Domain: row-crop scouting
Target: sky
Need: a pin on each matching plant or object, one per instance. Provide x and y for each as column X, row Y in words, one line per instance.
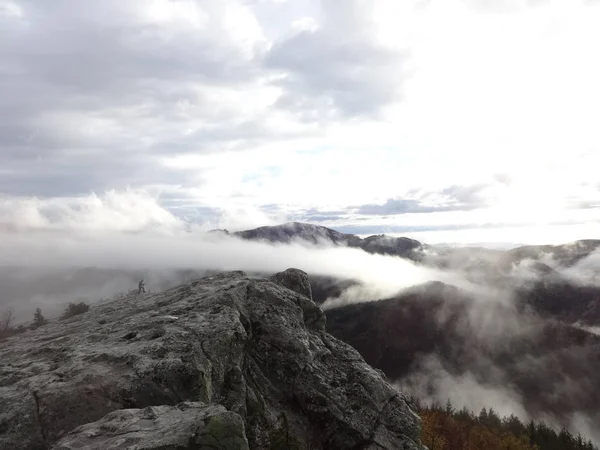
column 455, row 121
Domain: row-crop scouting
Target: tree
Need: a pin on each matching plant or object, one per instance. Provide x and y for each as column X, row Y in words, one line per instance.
column 431, row 431
column 465, row 415
column 493, row 419
column 448, row 409
column 483, row 416
column 38, row 318
column 531, row 432
column 6, row 322
column 513, row 425
column 462, row 430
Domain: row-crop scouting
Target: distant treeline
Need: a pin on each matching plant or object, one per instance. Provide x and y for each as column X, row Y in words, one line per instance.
column 6, row 319
column 447, row 428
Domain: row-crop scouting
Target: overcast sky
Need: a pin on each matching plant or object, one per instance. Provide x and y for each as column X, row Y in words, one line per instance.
column 446, row 121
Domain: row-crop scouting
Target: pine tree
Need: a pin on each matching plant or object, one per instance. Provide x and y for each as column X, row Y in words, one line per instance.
column 531, row 432
column 483, row 416
column 461, row 430
column 38, row 318
column 449, row 409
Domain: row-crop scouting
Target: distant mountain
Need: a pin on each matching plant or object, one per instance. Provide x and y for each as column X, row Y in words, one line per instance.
column 534, row 346
column 534, row 273
column 292, row 231
column 552, row 366
column 546, row 256
column 315, row 234
column 565, row 255
column 543, row 259
column 562, row 300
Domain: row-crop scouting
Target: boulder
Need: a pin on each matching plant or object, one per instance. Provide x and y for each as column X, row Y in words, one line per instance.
column 187, row 426
column 294, row 279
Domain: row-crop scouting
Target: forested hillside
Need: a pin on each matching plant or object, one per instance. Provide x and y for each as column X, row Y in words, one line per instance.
column 446, row 428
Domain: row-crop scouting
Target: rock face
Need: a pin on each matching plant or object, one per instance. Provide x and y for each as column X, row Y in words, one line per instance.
column 225, row 352
column 188, row 426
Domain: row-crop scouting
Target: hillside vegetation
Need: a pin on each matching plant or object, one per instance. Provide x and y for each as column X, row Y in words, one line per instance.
column 446, row 428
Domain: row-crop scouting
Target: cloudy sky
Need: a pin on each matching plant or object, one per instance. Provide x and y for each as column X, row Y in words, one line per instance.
column 443, row 120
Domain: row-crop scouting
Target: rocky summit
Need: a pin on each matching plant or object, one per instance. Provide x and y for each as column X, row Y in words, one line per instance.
column 223, row 362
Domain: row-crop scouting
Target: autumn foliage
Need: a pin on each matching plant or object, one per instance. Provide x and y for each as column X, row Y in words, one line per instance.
column 444, row 428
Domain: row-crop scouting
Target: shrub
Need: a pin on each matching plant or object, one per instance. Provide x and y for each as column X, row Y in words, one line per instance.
column 75, row 309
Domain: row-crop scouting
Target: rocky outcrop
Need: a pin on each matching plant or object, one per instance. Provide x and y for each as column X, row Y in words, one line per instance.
column 188, row 426
column 294, row 279
column 251, row 354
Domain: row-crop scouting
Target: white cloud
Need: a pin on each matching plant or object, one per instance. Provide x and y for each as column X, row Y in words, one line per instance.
column 235, row 105
column 10, row 9
column 114, row 211
column 183, row 11
column 432, row 383
column 59, row 250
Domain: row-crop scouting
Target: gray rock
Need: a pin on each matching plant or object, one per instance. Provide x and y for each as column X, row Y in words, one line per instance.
column 253, row 346
column 294, row 279
column 298, row 281
column 187, row 426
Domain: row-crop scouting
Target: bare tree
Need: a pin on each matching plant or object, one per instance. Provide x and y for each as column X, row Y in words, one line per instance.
column 6, row 321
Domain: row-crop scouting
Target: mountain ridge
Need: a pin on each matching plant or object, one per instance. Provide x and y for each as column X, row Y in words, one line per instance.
column 438, row 328
column 317, row 234
column 567, row 253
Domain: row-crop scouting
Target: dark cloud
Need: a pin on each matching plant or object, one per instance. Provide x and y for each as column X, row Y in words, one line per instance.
column 228, row 136
column 310, row 215
column 324, row 218
column 466, row 194
column 94, row 94
column 61, row 176
column 452, row 198
column 337, row 68
column 383, row 229
column 401, row 206
column 271, row 208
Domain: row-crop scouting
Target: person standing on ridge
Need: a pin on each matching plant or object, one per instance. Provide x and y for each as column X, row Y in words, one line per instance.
column 141, row 287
